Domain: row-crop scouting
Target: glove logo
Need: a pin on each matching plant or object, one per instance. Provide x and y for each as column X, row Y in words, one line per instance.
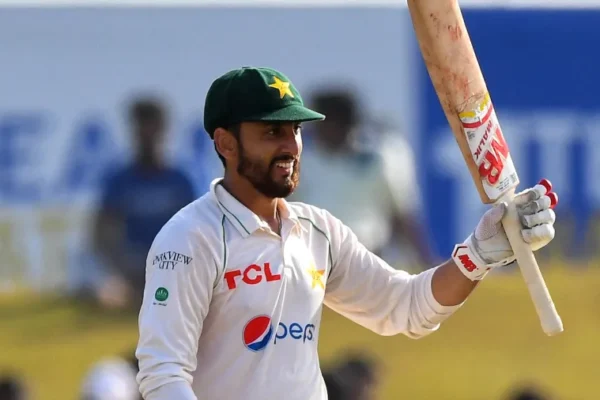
column 257, row 333
column 467, row 263
column 465, row 260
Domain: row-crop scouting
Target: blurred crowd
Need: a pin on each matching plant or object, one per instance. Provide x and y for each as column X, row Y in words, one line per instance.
column 346, row 156
column 350, row 155
column 118, row 171
column 353, row 376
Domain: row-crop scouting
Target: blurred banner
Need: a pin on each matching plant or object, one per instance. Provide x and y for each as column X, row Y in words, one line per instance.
column 540, row 68
column 67, row 75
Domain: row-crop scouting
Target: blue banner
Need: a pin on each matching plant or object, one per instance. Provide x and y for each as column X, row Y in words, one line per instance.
column 541, row 69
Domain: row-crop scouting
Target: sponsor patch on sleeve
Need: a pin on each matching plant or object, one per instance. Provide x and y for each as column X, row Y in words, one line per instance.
column 169, row 260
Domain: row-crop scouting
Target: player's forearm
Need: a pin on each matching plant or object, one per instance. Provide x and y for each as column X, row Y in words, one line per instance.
column 450, row 286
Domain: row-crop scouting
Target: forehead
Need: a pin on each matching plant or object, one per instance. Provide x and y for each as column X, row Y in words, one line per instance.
column 258, row 125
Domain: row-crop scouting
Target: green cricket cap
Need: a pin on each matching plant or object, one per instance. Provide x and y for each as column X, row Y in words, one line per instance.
column 254, row 94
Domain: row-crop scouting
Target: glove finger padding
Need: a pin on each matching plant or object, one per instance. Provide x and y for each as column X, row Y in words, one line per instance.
column 530, row 195
column 488, row 246
column 543, row 217
column 538, row 236
column 534, row 206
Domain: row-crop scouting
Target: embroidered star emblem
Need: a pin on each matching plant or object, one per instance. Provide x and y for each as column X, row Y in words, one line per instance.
column 283, row 87
column 316, row 276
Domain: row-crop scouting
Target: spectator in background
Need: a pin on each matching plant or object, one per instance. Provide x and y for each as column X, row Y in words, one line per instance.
column 527, row 392
column 136, row 201
column 110, row 379
column 12, row 388
column 356, row 377
column 347, row 157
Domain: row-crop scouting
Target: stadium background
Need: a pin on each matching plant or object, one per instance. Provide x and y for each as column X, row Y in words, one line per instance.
column 66, row 72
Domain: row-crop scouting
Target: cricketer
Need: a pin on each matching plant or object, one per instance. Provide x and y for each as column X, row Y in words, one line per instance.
column 236, row 280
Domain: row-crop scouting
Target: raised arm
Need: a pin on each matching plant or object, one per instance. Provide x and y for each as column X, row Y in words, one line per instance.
column 367, row 290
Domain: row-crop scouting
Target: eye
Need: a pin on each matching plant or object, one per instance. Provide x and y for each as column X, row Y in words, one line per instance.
column 272, row 131
column 298, row 129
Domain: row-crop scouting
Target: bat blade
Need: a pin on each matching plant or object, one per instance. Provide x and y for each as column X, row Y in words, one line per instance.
column 459, row 83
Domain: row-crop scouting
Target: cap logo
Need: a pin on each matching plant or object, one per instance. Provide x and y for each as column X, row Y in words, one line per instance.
column 283, row 87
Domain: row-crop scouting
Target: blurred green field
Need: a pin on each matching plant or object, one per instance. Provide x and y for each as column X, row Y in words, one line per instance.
column 491, row 344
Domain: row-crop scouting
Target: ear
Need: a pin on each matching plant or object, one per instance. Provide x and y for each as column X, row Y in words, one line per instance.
column 225, row 143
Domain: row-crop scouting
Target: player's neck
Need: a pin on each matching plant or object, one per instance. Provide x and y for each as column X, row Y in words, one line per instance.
column 264, row 207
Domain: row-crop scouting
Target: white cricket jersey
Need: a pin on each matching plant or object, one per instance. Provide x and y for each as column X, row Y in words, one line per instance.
column 233, row 310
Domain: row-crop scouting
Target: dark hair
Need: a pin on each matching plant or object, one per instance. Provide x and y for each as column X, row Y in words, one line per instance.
column 147, row 110
column 349, row 373
column 337, row 104
column 528, row 394
column 358, row 366
column 11, row 388
column 235, row 130
column 335, row 389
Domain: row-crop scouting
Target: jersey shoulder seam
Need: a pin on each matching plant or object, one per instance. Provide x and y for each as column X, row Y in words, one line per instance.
column 322, row 232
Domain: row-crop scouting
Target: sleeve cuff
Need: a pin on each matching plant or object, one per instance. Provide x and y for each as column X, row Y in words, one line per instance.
column 433, row 311
column 180, row 390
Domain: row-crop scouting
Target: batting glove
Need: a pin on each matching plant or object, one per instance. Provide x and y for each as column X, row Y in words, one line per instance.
column 488, row 246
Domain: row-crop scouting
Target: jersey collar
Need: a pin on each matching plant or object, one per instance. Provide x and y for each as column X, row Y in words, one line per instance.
column 244, row 220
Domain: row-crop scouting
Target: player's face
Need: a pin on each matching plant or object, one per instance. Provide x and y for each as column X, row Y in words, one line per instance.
column 269, row 156
column 149, row 134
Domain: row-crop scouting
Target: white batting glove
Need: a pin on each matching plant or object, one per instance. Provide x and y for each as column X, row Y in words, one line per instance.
column 488, row 247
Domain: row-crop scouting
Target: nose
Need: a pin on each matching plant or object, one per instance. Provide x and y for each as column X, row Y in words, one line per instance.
column 292, row 143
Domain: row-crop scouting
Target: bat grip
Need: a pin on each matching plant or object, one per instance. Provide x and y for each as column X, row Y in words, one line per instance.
column 549, row 318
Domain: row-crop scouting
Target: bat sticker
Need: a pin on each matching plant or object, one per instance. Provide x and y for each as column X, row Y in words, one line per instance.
column 489, row 149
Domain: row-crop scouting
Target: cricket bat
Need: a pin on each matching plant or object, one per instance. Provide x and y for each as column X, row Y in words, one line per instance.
column 459, row 83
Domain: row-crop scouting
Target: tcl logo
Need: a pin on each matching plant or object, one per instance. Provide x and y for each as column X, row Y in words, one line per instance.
column 251, row 275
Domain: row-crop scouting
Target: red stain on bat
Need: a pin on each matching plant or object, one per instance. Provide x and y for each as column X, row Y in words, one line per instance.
column 455, row 32
column 451, row 79
column 436, row 24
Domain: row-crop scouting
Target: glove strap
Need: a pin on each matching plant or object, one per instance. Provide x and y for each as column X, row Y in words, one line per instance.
column 469, row 262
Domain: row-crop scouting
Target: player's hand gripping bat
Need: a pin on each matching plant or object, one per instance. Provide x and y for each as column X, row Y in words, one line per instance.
column 460, row 86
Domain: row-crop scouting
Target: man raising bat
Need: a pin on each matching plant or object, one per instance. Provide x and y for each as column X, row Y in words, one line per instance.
column 236, row 280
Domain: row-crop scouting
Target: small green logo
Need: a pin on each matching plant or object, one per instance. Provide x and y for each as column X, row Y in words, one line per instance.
column 161, row 294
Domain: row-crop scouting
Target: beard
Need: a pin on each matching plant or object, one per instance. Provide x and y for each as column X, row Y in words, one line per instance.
column 260, row 175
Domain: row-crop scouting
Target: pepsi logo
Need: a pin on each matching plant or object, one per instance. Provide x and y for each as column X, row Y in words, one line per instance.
column 258, row 332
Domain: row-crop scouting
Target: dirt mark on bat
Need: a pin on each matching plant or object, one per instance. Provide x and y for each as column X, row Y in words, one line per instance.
column 456, row 86
column 436, row 24
column 455, row 32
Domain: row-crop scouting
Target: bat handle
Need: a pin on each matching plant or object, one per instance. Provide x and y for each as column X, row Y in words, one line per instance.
column 549, row 318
